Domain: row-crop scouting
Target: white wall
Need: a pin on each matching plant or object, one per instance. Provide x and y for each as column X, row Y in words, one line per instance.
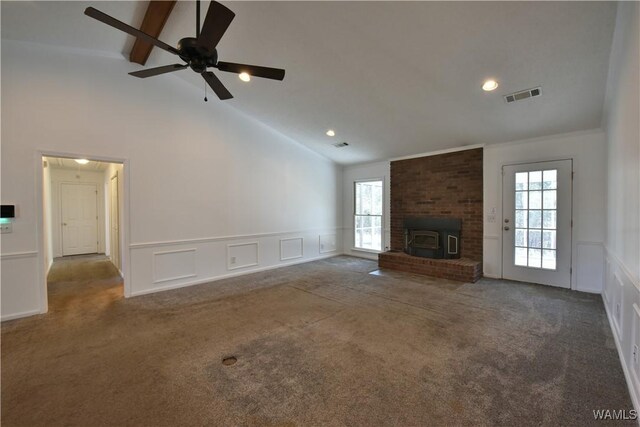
column 79, row 176
column 355, row 173
column 200, row 175
column 588, row 151
column 622, row 285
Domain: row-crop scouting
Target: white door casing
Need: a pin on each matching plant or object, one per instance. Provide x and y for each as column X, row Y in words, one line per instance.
column 79, row 213
column 114, row 220
column 536, row 222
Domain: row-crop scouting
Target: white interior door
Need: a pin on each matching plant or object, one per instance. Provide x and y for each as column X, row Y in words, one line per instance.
column 79, row 209
column 536, row 204
column 114, row 219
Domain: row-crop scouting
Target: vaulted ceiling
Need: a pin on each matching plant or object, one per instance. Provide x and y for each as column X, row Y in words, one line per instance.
column 391, row 78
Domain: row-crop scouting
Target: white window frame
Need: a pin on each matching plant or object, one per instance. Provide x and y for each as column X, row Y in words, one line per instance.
column 382, row 216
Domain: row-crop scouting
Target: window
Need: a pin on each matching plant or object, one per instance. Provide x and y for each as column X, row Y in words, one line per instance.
column 535, row 240
column 368, row 215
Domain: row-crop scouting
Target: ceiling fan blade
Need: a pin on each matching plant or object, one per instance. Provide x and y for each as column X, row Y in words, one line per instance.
column 106, row 19
column 217, row 85
column 252, row 70
column 216, row 22
column 150, row 72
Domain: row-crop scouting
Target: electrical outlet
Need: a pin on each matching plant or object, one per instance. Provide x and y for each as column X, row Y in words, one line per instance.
column 635, row 354
column 233, row 260
column 6, row 227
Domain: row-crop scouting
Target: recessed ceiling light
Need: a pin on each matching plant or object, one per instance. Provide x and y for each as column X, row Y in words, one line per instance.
column 331, row 132
column 82, row 161
column 245, row 77
column 490, row 85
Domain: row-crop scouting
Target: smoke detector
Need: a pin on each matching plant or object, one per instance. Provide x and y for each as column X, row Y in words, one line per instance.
column 523, row 94
column 340, row 144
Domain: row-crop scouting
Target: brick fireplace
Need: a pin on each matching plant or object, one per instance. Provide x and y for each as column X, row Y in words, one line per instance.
column 446, row 187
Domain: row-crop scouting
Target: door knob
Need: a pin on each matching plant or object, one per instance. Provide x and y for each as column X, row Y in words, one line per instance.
column 64, row 223
column 506, row 220
column 506, row 228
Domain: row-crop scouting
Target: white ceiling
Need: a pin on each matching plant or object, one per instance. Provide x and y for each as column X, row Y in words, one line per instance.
column 392, row 78
column 64, row 163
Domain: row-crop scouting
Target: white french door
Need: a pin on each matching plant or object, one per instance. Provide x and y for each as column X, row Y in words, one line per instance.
column 114, row 221
column 536, row 222
column 79, row 208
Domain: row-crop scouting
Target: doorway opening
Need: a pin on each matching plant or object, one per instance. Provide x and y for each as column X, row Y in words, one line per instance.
column 82, row 204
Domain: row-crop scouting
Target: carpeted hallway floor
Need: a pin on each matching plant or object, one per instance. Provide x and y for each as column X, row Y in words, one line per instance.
column 323, row 343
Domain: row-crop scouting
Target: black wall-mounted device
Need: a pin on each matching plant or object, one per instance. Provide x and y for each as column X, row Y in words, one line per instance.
column 7, row 211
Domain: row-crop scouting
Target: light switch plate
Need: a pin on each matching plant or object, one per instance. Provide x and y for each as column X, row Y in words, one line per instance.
column 6, row 227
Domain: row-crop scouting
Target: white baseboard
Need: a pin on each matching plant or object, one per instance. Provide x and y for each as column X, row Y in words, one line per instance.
column 625, row 369
column 230, row 275
column 362, row 254
column 19, row 315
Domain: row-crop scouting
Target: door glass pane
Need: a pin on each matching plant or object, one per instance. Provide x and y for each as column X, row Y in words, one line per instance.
column 549, row 181
column 535, row 239
column 535, row 180
column 521, row 257
column 548, row 219
column 535, row 242
column 535, row 219
column 550, row 199
column 535, row 200
column 521, row 200
column 522, row 181
column 548, row 259
column 535, row 258
column 549, row 239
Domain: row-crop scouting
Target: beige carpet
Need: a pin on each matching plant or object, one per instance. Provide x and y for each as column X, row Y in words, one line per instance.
column 323, row 343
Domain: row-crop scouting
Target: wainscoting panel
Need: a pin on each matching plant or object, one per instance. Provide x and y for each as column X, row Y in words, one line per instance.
column 621, row 299
column 327, row 243
column 20, row 267
column 291, row 248
column 616, row 306
column 174, row 265
column 162, row 265
column 242, row 255
column 608, row 282
column 635, row 347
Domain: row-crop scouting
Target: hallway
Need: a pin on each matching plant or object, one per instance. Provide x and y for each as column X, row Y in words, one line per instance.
column 83, row 283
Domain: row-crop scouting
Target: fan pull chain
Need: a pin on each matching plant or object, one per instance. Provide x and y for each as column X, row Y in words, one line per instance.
column 205, row 92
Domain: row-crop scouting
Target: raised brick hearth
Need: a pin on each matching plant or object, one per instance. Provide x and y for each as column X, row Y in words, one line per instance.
column 447, row 186
column 463, row 269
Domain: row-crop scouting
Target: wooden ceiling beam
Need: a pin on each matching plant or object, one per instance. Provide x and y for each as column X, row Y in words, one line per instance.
column 154, row 19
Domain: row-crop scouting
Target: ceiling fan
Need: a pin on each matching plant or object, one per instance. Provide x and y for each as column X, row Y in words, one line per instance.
column 198, row 52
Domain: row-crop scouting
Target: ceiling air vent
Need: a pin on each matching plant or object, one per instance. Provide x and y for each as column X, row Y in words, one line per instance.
column 523, row 94
column 340, row 144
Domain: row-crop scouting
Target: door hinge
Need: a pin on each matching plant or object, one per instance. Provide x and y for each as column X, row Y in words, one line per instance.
column 570, row 270
column 572, row 175
column 571, row 223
